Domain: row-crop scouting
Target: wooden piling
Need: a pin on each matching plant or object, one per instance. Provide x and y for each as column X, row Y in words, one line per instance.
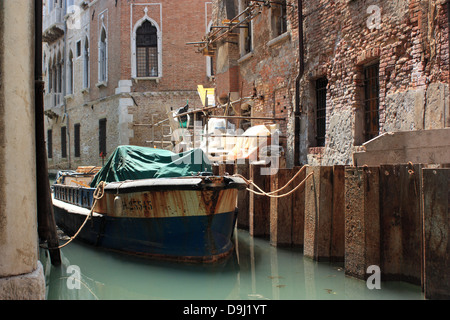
column 227, row 168
column 298, row 210
column 259, row 206
column 400, row 223
column 318, row 213
column 362, row 220
column 436, row 233
column 281, row 209
column 337, row 251
column 243, row 197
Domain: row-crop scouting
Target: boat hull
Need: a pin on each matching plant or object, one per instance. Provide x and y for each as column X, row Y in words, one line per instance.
column 176, row 223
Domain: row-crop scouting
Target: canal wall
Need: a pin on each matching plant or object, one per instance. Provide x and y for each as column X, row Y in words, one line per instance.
column 395, row 217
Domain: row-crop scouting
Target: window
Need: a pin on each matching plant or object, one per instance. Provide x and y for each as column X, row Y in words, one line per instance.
column 246, row 41
column 209, row 59
column 102, row 137
column 279, row 19
column 371, row 101
column 321, row 111
column 63, row 142
column 78, row 48
column 69, row 6
column 86, row 65
column 50, row 144
column 70, row 74
column 102, row 57
column 76, row 133
column 147, row 50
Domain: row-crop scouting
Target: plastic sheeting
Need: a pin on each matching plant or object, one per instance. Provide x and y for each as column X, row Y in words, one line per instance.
column 135, row 163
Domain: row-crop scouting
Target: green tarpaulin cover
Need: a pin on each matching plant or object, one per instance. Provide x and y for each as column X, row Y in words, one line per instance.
column 134, row 163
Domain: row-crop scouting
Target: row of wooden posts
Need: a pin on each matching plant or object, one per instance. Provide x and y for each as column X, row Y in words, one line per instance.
column 396, row 217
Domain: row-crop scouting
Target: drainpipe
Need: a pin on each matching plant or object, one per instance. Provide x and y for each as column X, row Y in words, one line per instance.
column 46, row 219
column 64, row 83
column 298, row 108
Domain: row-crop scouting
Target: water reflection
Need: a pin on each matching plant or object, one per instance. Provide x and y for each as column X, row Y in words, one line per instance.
column 255, row 271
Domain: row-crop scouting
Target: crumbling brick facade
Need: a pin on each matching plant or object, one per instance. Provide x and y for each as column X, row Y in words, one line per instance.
column 385, row 65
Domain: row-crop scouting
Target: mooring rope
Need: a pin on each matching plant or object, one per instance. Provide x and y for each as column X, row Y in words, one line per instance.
column 272, row 193
column 98, row 194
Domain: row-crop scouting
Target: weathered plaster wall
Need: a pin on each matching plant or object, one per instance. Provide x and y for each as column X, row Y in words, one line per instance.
column 18, row 218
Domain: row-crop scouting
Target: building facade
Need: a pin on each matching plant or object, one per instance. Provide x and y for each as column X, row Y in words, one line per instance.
column 113, row 68
column 368, row 67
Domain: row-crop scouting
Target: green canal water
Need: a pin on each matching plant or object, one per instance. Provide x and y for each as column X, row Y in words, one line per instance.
column 256, row 271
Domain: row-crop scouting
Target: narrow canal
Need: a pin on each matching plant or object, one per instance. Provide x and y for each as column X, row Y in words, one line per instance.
column 256, row 271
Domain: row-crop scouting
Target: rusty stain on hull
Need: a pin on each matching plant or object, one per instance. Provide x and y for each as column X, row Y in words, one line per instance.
column 208, row 199
column 166, row 204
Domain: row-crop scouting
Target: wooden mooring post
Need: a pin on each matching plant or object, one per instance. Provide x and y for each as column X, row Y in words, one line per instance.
column 400, row 223
column 243, row 168
column 436, row 233
column 324, row 214
column 259, row 206
column 287, row 214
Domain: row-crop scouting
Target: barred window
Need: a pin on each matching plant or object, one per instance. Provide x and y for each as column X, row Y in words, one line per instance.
column 50, row 143
column 147, row 50
column 371, row 101
column 102, row 137
column 77, row 144
column 63, row 142
column 321, row 110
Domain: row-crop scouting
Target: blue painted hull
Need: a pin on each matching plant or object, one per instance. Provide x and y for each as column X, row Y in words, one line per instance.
column 193, row 238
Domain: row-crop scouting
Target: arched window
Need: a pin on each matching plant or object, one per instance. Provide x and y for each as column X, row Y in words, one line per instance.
column 147, row 50
column 86, row 64
column 70, row 74
column 102, row 57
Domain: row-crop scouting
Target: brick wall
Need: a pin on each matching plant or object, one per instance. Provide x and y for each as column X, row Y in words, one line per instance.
column 411, row 45
column 122, row 100
column 409, row 40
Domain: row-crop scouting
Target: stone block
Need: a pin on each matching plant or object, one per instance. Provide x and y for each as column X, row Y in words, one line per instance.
column 362, row 220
